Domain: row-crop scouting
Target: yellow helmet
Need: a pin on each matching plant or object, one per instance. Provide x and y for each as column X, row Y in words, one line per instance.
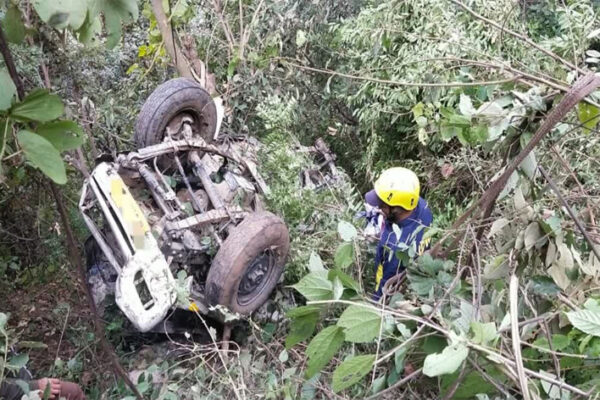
column 398, row 187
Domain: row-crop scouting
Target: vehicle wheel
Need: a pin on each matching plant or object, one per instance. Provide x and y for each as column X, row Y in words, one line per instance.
column 249, row 263
column 168, row 105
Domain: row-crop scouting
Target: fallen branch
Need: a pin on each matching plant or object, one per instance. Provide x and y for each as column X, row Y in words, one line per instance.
column 582, row 88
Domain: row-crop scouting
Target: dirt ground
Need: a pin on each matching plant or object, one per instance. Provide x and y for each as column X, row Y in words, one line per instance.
column 56, row 314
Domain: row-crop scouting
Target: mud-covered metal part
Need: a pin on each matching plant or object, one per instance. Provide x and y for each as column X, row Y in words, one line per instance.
column 207, row 183
column 328, row 156
column 161, row 197
column 206, row 218
column 198, row 206
column 144, row 290
column 326, row 173
column 85, row 205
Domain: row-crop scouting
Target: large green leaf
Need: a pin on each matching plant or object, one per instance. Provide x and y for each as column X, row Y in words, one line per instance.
column 315, row 263
column 587, row 321
column 347, row 231
column 62, row 13
column 484, row 333
column 322, row 348
column 64, row 135
column 315, row 286
column 344, row 255
column 115, row 13
column 588, row 115
column 12, row 24
column 91, row 27
column 361, row 324
column 301, row 328
column 17, row 362
column 8, row 90
column 446, row 362
column 352, row 371
column 347, row 280
column 40, row 106
column 43, row 155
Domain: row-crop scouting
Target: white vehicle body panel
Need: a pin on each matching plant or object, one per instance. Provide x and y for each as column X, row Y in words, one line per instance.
column 144, row 263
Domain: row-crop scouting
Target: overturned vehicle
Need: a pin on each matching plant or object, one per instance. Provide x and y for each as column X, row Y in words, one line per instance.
column 185, row 206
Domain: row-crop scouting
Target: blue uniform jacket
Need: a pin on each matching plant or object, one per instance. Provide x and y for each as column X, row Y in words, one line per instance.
column 406, row 235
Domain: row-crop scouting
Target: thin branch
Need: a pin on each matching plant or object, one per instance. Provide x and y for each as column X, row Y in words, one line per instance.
column 10, row 65
column 164, row 25
column 570, row 211
column 401, row 382
column 518, row 36
column 401, row 83
column 516, row 338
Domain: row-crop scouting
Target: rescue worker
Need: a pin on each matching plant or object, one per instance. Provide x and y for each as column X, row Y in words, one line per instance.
column 397, row 196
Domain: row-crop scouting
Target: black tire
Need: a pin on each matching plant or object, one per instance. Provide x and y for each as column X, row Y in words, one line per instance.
column 260, row 237
column 167, row 101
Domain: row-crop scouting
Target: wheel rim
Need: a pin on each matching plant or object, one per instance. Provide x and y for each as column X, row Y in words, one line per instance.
column 255, row 278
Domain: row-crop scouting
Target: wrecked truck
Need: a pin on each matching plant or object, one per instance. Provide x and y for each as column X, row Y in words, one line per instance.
column 184, row 206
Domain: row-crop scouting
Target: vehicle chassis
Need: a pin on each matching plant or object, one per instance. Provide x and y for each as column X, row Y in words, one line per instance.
column 135, row 253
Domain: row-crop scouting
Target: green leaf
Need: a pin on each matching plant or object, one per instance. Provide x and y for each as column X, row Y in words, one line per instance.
column 551, row 225
column 378, row 384
column 39, row 105
column 347, row 280
column 12, row 24
column 315, row 286
column 115, row 13
column 465, row 105
column 587, row 321
column 352, row 371
column 446, row 362
column 43, row 155
column 301, row 329
column 529, row 165
column 544, row 285
column 314, row 263
column 338, row 288
column 302, row 311
column 484, row 333
column 88, row 32
column 8, row 90
column 533, row 236
column 64, row 135
column 447, row 132
column 399, row 357
column 322, row 348
column 361, row 324
column 3, row 320
column 347, row 231
column 344, row 255
column 61, row 14
column 233, row 63
column 588, row 115
column 18, row 361
column 309, row 388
